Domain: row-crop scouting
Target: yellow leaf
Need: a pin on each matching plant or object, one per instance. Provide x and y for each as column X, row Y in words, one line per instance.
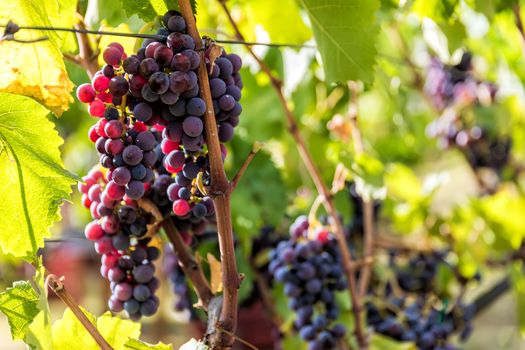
column 105, row 40
column 216, row 273
column 36, row 69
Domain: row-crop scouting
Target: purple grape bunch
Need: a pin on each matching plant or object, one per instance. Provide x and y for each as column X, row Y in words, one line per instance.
column 311, row 272
column 119, row 231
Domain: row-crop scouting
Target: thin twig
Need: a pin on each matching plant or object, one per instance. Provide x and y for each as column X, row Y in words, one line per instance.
column 389, row 242
column 368, row 203
column 240, row 340
column 256, row 148
column 486, row 299
column 319, row 184
column 220, row 191
column 188, row 264
column 86, row 55
column 516, row 9
column 58, row 287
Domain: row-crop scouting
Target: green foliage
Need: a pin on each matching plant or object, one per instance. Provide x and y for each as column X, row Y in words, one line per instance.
column 280, row 18
column 261, row 196
column 20, row 305
column 149, row 9
column 34, row 181
column 368, row 173
column 345, row 34
column 68, row 332
column 42, row 75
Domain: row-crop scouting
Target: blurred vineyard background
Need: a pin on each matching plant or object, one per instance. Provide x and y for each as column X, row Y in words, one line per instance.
column 425, row 183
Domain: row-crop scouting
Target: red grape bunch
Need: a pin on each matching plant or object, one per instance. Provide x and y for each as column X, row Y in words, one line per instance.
column 119, row 231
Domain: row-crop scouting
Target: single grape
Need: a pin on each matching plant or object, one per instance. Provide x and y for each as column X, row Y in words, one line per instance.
column 159, row 82
column 85, row 93
column 193, row 126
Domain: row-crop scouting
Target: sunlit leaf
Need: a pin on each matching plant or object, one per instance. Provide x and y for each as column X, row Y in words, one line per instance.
column 368, row 174
column 149, row 9
column 20, row 304
column 36, row 69
column 345, row 33
column 34, row 182
column 68, row 332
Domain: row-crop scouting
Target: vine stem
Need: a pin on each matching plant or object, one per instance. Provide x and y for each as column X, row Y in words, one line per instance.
column 519, row 24
column 319, row 184
column 188, row 264
column 56, row 284
column 220, row 191
column 256, row 148
column 368, row 204
column 86, row 55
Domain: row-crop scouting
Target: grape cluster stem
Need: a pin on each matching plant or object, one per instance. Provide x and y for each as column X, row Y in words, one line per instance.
column 368, row 203
column 220, row 192
column 189, row 265
column 321, row 187
column 57, row 286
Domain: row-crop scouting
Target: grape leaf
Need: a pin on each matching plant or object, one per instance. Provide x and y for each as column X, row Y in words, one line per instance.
column 34, row 182
column 38, row 334
column 345, row 33
column 137, row 344
column 36, row 69
column 68, row 332
column 20, row 304
column 368, row 173
column 149, row 9
column 280, row 18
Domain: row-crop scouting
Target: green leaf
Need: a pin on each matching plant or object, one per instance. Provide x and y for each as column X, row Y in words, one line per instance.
column 149, row 9
column 37, row 69
column 368, row 173
column 38, row 336
column 280, row 18
column 20, row 305
column 34, row 182
column 68, row 332
column 137, row 344
column 345, row 33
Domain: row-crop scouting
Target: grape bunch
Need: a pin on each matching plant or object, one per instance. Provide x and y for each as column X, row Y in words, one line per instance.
column 184, row 139
column 456, row 94
column 416, row 321
column 178, row 280
column 126, row 147
column 119, row 231
column 419, row 272
column 308, row 264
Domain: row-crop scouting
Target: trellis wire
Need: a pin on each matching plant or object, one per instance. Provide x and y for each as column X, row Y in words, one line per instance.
column 9, row 36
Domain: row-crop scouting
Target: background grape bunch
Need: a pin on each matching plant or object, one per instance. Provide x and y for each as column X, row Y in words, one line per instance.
column 459, row 98
column 310, row 269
